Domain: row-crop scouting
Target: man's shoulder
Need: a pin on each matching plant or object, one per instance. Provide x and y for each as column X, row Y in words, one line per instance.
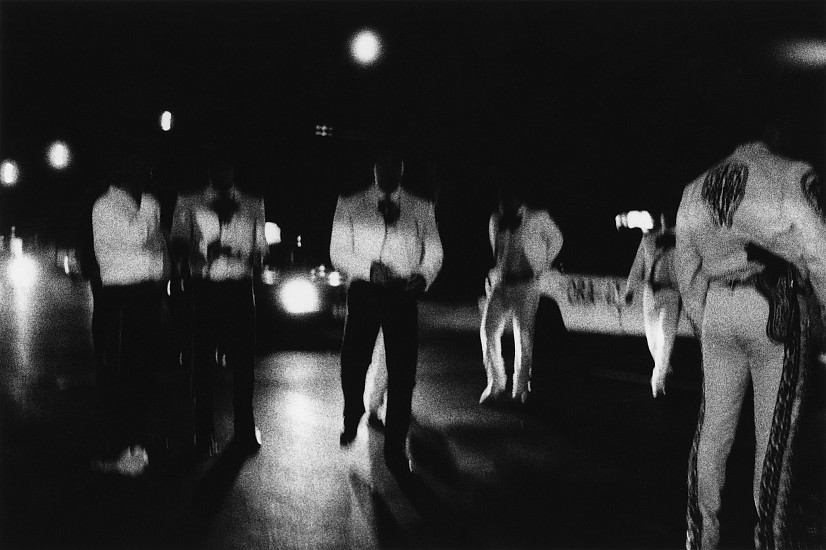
column 416, row 200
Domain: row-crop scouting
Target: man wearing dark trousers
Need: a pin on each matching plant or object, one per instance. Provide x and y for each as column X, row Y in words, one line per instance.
column 130, row 289
column 386, row 241
column 218, row 237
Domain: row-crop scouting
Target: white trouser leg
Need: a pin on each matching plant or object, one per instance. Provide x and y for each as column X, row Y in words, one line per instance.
column 494, row 317
column 650, row 319
column 524, row 300
column 725, row 379
column 375, row 387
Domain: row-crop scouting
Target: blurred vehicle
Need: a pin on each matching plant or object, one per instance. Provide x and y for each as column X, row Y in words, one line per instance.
column 297, row 293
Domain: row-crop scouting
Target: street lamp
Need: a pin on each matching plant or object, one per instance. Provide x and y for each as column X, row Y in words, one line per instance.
column 365, row 47
column 166, row 121
column 58, row 155
column 9, row 173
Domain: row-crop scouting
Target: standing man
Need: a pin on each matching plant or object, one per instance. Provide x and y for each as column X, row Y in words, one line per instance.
column 131, row 253
column 751, row 267
column 218, row 237
column 387, row 243
column 653, row 269
column 525, row 243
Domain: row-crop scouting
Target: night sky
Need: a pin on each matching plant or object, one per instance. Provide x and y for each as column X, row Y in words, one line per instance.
column 595, row 107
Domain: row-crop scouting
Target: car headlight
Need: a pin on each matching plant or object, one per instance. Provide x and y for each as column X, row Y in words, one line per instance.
column 299, row 296
column 22, row 271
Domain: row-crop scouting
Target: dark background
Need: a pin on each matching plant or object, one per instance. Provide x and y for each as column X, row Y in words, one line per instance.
column 596, row 107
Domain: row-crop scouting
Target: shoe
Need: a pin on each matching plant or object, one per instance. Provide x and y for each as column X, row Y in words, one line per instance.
column 249, row 443
column 521, row 397
column 374, row 421
column 348, row 435
column 491, row 394
column 398, row 464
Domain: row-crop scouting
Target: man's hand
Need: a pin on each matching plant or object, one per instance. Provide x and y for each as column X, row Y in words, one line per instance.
column 415, row 284
column 658, row 379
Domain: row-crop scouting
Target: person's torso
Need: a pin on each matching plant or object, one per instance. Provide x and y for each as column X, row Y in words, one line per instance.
column 747, row 186
column 222, row 249
column 522, row 249
column 399, row 245
column 134, row 260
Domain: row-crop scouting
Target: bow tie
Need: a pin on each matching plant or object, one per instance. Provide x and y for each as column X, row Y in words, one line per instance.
column 509, row 222
column 225, row 207
column 389, row 210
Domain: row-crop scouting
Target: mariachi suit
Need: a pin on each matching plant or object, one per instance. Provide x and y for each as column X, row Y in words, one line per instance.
column 751, row 198
column 523, row 254
column 409, row 246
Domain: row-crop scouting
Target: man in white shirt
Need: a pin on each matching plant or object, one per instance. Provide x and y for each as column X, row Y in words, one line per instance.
column 386, row 241
column 131, row 253
column 219, row 245
column 751, row 268
column 525, row 243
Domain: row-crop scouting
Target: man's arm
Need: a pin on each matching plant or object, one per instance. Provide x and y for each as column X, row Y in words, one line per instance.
column 261, row 248
column 433, row 252
column 637, row 272
column 553, row 239
column 693, row 284
column 342, row 244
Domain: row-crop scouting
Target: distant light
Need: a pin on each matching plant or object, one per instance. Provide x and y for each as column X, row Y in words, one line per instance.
column 166, row 121
column 805, row 53
column 640, row 219
column 16, row 245
column 323, row 130
column 298, row 241
column 66, row 264
column 299, row 296
column 334, row 278
column 9, row 173
column 365, row 47
column 58, row 155
column 272, row 233
column 22, row 271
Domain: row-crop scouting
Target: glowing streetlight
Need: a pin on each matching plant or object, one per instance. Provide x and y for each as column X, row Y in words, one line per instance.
column 9, row 173
column 365, row 47
column 166, row 121
column 59, row 155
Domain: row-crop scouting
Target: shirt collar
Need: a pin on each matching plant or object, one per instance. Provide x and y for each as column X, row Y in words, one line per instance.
column 394, row 196
column 211, row 192
column 123, row 198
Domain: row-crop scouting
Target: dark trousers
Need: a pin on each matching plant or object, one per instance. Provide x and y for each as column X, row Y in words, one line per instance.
column 368, row 308
column 128, row 333
column 223, row 318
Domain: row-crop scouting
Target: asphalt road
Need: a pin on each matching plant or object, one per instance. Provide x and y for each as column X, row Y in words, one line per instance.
column 592, row 462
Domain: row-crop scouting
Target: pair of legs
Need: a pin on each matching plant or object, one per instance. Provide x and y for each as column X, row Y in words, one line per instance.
column 735, row 350
column 223, row 312
column 370, row 307
column 661, row 317
column 517, row 303
column 127, row 330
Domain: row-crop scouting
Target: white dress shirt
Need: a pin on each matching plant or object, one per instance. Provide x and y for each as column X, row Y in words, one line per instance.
column 535, row 244
column 360, row 236
column 129, row 245
column 774, row 208
column 196, row 224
